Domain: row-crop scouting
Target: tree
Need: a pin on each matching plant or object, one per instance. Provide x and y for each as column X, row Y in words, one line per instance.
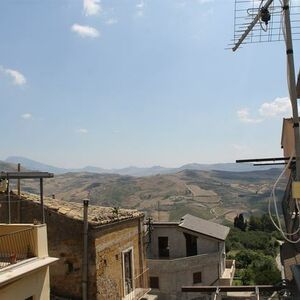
column 262, row 223
column 254, row 223
column 239, row 222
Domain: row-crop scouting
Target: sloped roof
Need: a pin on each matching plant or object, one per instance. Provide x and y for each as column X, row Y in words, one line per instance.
column 205, row 227
column 97, row 215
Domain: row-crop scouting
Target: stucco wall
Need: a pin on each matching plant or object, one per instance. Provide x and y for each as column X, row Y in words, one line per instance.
column 33, row 284
column 173, row 274
column 177, row 241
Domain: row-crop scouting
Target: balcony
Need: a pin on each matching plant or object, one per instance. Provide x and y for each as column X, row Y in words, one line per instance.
column 141, row 287
column 21, row 242
column 182, row 263
column 16, row 246
column 228, row 274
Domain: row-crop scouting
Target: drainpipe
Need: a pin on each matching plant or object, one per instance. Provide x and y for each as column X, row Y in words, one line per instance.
column 8, row 200
column 141, row 252
column 19, row 197
column 85, row 250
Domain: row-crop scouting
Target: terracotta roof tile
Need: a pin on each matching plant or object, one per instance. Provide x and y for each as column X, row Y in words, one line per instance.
column 98, row 215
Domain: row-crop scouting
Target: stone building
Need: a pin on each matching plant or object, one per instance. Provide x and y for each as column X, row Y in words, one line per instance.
column 116, row 259
column 187, row 253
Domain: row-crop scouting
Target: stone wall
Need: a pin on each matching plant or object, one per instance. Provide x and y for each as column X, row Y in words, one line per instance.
column 110, row 242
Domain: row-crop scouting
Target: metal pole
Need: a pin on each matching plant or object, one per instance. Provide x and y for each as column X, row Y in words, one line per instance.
column 292, row 83
column 19, row 196
column 85, row 250
column 8, row 201
column 257, row 292
column 42, row 200
column 19, row 181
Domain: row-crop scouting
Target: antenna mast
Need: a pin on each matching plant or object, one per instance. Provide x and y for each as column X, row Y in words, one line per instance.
column 292, row 82
column 251, row 34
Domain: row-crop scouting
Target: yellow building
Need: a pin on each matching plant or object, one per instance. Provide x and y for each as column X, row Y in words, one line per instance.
column 24, row 262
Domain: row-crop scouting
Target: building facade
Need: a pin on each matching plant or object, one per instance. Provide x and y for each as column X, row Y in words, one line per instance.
column 115, row 257
column 24, row 262
column 186, row 253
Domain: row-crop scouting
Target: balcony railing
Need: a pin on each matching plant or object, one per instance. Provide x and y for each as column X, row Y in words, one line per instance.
column 227, row 276
column 141, row 286
column 16, row 246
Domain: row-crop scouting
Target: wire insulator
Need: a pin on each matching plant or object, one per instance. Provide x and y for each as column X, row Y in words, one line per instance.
column 265, row 15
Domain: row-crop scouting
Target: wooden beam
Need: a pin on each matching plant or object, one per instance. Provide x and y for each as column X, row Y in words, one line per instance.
column 25, row 175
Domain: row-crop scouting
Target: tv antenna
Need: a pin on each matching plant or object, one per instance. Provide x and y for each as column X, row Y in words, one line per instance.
column 258, row 21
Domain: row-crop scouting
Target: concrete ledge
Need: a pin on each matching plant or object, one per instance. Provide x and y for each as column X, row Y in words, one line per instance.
column 16, row 271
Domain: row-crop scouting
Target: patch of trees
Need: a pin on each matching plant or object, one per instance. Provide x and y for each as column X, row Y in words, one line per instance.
column 240, row 222
column 254, row 246
column 255, row 223
column 256, row 268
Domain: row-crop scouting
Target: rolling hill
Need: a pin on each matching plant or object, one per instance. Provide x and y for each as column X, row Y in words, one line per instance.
column 217, row 195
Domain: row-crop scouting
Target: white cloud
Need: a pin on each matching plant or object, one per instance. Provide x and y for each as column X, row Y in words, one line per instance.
column 82, row 130
column 278, row 107
column 244, row 116
column 140, row 7
column 91, row 7
column 17, row 77
column 111, row 21
column 205, row 1
column 26, row 116
column 85, row 31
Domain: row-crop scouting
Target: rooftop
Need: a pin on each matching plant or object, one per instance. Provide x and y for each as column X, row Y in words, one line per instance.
column 201, row 226
column 97, row 215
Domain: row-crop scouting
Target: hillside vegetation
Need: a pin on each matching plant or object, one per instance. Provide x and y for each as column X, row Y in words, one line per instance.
column 254, row 247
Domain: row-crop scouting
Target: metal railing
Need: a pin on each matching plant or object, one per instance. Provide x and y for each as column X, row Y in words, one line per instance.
column 16, row 246
column 141, row 286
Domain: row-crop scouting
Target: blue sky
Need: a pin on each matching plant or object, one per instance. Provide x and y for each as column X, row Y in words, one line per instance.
column 119, row 83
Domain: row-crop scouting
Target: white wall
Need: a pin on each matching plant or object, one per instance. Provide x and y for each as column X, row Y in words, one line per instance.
column 173, row 274
column 177, row 242
column 33, row 284
column 178, row 270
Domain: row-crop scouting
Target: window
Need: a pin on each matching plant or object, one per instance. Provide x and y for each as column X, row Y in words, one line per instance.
column 154, row 282
column 197, row 277
column 163, row 247
column 128, row 271
column 191, row 244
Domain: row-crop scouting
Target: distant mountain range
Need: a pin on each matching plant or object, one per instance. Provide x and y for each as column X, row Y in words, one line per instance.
column 132, row 171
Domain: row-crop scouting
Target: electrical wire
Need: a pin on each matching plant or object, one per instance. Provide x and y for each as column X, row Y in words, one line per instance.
column 273, row 196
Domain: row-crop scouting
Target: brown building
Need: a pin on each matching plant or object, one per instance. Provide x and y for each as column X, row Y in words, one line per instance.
column 116, row 258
